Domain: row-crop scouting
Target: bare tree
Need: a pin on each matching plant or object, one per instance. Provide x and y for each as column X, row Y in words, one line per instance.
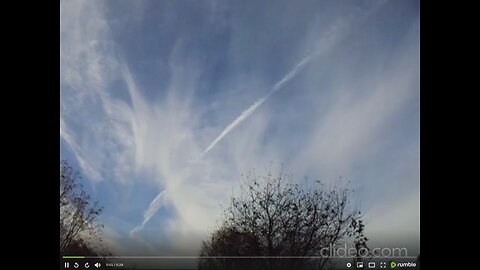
column 77, row 214
column 274, row 217
column 228, row 241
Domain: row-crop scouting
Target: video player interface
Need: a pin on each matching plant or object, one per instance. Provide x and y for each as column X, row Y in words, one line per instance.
column 239, row 134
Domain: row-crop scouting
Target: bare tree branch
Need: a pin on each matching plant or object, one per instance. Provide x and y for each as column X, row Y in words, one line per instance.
column 279, row 218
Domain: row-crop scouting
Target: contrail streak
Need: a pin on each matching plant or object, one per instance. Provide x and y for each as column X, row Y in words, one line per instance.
column 158, row 201
column 331, row 37
column 148, row 214
column 245, row 114
column 337, row 31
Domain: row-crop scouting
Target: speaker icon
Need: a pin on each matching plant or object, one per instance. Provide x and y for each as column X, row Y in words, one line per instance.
column 98, row 265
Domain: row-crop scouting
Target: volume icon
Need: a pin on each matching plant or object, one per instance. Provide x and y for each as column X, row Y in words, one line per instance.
column 97, row 265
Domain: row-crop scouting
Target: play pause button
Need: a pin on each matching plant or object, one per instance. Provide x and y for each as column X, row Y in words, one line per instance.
column 67, row 265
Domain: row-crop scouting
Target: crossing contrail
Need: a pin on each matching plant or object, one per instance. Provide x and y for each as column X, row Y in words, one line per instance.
column 250, row 110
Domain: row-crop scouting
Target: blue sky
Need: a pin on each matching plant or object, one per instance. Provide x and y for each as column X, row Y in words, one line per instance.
column 147, row 86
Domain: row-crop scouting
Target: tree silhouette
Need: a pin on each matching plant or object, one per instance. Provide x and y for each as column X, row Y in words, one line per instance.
column 273, row 217
column 77, row 214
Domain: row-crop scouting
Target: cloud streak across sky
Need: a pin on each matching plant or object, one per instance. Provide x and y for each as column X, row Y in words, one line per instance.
column 148, row 87
column 245, row 114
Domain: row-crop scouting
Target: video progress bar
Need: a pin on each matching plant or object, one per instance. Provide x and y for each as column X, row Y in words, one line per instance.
column 229, row 257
